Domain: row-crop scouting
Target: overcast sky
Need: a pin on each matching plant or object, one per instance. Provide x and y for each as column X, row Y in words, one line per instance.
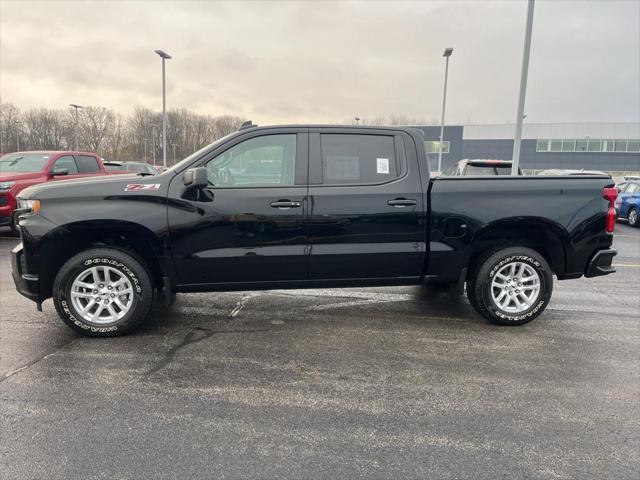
column 317, row 61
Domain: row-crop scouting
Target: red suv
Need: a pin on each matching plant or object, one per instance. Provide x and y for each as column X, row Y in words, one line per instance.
column 20, row 170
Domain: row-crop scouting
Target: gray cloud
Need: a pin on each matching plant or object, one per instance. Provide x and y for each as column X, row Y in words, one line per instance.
column 326, row 61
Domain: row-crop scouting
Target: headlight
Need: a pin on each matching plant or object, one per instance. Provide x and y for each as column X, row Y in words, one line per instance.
column 4, row 186
column 30, row 206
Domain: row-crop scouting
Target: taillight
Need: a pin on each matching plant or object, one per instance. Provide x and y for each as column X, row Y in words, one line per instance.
column 610, row 194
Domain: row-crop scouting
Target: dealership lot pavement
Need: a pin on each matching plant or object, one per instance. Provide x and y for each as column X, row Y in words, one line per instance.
column 374, row 382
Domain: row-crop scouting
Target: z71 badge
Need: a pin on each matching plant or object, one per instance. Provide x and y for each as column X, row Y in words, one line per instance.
column 141, row 186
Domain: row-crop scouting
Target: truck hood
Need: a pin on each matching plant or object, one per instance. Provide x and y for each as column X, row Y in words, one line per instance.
column 84, row 187
column 15, row 176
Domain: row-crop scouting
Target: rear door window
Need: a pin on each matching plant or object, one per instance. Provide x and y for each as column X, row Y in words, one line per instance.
column 352, row 159
column 632, row 188
column 68, row 163
column 87, row 164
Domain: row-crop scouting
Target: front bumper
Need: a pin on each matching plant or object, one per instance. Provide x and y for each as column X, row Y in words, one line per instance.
column 6, row 211
column 26, row 284
column 600, row 263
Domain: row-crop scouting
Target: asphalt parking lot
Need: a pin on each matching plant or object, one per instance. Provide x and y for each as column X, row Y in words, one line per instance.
column 374, row 383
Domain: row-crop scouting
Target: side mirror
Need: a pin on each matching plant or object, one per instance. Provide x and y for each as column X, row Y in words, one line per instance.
column 56, row 172
column 195, row 177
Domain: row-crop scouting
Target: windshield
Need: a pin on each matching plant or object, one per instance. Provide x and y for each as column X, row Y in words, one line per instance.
column 198, row 153
column 494, row 170
column 23, row 163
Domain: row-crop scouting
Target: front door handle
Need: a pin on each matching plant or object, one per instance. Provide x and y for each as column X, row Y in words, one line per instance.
column 285, row 204
column 401, row 202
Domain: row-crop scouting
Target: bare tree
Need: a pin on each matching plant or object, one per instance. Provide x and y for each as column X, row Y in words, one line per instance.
column 95, row 125
column 45, row 128
column 112, row 135
column 10, row 128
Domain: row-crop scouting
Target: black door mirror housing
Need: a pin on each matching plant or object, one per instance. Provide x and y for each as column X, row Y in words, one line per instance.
column 195, row 177
column 56, row 172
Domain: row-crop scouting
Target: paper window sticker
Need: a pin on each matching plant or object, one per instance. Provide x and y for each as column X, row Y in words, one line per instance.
column 382, row 166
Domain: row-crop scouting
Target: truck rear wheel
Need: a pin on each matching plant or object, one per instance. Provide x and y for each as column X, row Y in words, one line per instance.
column 103, row 292
column 511, row 286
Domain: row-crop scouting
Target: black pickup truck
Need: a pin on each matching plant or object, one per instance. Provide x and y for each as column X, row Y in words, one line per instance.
column 302, row 207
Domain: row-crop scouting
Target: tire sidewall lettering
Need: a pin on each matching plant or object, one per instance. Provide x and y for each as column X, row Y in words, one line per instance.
column 119, row 265
column 67, row 308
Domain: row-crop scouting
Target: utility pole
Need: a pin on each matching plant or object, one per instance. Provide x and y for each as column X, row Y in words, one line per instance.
column 75, row 127
column 165, row 56
column 145, row 149
column 447, row 53
column 515, row 164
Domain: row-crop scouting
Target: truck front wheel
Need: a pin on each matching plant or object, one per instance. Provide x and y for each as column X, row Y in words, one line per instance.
column 511, row 286
column 103, row 292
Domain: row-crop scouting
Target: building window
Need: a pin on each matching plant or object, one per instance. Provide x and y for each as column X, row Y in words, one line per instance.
column 556, row 145
column 432, row 147
column 608, row 145
column 595, row 145
column 582, row 145
column 542, row 146
column 633, row 146
column 621, row 145
column 568, row 145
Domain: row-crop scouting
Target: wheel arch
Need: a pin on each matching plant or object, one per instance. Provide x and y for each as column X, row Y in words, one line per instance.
column 549, row 239
column 66, row 241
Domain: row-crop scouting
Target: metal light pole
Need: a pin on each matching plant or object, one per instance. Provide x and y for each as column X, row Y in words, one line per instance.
column 165, row 56
column 154, row 129
column 447, row 53
column 523, row 89
column 75, row 127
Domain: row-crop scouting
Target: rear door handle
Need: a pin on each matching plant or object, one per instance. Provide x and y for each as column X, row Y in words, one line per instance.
column 285, row 204
column 401, row 202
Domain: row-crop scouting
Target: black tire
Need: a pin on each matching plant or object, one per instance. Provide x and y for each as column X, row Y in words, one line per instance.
column 632, row 218
column 13, row 229
column 480, row 278
column 125, row 263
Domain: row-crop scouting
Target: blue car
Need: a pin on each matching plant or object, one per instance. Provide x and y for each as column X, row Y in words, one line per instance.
column 628, row 202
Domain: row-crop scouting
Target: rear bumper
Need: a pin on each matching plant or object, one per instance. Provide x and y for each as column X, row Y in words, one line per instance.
column 600, row 263
column 27, row 285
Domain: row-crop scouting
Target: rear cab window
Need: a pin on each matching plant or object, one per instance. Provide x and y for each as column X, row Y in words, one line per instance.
column 87, row 164
column 360, row 159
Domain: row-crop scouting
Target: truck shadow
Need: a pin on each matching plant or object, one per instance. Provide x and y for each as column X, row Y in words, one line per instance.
column 423, row 304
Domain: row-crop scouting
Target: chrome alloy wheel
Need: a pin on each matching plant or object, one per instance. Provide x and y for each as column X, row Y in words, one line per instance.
column 515, row 287
column 102, row 294
column 633, row 217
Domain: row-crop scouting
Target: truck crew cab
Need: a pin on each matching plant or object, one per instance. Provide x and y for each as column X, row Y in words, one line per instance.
column 302, row 207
